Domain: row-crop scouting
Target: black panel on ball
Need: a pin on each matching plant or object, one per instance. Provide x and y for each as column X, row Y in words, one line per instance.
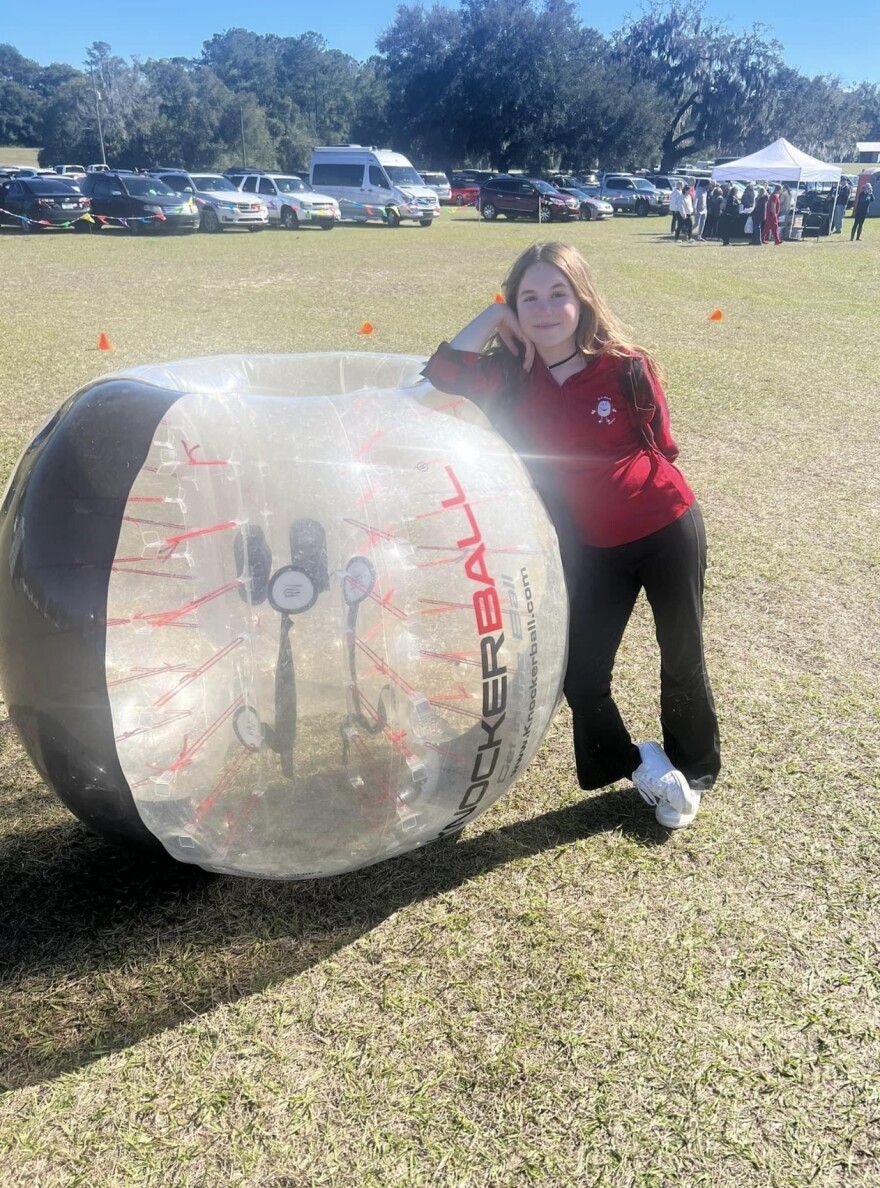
column 59, row 528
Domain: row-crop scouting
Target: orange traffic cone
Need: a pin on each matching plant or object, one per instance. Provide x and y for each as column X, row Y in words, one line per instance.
column 716, row 315
column 367, row 328
column 104, row 342
column 499, row 299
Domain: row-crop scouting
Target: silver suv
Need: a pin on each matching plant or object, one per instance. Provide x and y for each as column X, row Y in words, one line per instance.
column 634, row 195
column 291, row 201
column 220, row 203
column 439, row 183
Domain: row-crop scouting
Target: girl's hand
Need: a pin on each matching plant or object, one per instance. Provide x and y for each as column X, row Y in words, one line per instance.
column 501, row 320
column 511, row 334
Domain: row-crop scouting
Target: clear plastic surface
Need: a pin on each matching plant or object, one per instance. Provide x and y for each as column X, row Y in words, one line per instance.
column 337, row 619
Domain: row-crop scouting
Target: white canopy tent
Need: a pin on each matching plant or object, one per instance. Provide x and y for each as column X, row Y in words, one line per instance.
column 779, row 162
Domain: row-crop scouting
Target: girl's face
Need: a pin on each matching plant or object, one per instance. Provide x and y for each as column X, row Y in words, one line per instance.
column 548, row 309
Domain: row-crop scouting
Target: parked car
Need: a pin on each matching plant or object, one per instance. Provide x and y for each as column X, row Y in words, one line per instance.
column 819, row 197
column 146, row 201
column 289, row 200
column 480, row 176
column 664, row 184
column 633, row 195
column 593, row 188
column 42, row 202
column 439, row 183
column 591, row 206
column 71, row 170
column 578, row 181
column 220, row 203
column 463, row 191
column 99, row 168
column 664, row 181
column 525, row 198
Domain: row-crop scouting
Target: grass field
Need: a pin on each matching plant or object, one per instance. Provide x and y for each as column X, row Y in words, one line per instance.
column 16, row 155
column 568, row 995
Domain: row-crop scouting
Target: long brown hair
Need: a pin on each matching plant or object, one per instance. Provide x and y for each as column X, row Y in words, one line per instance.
column 598, row 331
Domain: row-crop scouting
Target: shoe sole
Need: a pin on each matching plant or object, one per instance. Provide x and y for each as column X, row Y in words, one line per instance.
column 674, row 820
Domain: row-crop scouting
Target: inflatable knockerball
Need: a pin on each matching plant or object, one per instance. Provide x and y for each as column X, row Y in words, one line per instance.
column 285, row 615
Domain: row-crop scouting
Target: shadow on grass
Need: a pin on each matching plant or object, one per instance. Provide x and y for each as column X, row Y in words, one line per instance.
column 665, row 237
column 102, row 947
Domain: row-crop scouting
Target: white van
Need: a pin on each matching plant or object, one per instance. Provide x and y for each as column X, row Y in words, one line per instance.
column 372, row 185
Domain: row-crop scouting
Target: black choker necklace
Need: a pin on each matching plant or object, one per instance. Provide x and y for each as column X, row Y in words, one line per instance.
column 567, row 359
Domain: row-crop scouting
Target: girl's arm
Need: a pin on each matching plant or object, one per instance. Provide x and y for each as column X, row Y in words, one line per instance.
column 501, row 320
column 460, row 368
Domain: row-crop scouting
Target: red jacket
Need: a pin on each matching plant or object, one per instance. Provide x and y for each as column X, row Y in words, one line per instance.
column 585, row 442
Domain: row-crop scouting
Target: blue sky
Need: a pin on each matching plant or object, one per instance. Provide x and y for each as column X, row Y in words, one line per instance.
column 819, row 38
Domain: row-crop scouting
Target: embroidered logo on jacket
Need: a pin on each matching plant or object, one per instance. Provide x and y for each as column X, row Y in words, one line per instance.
column 605, row 411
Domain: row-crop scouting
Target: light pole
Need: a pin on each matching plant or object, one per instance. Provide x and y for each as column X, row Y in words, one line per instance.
column 98, row 114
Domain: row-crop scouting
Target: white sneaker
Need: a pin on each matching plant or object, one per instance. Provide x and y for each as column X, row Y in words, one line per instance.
column 659, row 784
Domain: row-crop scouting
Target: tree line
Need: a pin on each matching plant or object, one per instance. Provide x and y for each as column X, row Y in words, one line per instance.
column 497, row 83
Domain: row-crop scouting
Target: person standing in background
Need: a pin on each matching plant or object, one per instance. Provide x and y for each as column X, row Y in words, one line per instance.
column 747, row 202
column 843, row 193
column 685, row 216
column 730, row 216
column 864, row 200
column 675, row 209
column 701, row 209
column 715, row 205
column 785, row 202
column 771, row 216
column 758, row 217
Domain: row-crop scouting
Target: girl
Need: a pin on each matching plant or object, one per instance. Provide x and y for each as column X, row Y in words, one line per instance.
column 561, row 380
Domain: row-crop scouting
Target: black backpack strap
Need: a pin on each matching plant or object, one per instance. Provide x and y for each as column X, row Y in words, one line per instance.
column 638, row 393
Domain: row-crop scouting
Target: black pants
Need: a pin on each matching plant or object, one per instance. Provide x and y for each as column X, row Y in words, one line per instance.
column 710, row 231
column 669, row 565
column 757, row 231
column 673, row 226
column 685, row 226
column 856, row 232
